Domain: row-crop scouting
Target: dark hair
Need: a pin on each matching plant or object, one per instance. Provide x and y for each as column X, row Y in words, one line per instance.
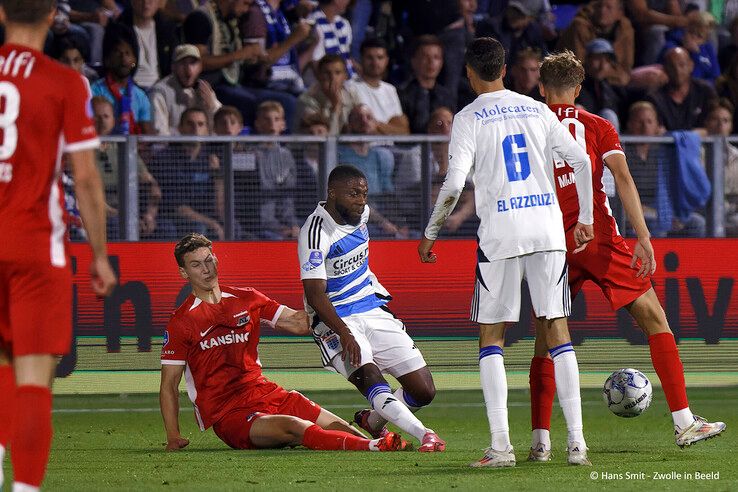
column 486, row 57
column 312, row 119
column 228, row 111
column 722, row 103
column 190, row 111
column 65, row 43
column 426, row 40
column 328, row 59
column 370, row 43
column 190, row 243
column 28, row 11
column 343, row 173
column 115, row 34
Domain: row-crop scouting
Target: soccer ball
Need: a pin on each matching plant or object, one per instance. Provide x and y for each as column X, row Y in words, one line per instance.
column 627, row 393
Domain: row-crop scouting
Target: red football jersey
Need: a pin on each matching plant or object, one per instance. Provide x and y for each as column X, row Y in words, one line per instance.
column 218, row 344
column 44, row 111
column 599, row 139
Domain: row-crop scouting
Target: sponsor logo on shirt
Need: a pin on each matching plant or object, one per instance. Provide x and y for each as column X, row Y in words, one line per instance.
column 497, row 110
column 227, row 339
column 342, row 266
column 314, row 261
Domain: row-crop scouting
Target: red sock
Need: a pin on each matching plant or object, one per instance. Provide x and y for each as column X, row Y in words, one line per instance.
column 7, row 403
column 320, row 439
column 31, row 438
column 668, row 365
column 542, row 391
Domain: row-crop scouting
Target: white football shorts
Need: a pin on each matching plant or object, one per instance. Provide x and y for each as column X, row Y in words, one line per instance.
column 497, row 288
column 383, row 341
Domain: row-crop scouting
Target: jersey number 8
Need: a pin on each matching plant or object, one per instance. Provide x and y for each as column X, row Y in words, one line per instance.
column 10, row 101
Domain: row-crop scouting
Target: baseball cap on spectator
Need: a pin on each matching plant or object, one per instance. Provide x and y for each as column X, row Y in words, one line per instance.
column 185, row 51
column 600, row 46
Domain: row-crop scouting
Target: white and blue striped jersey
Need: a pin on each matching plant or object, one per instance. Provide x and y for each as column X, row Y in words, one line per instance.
column 339, row 254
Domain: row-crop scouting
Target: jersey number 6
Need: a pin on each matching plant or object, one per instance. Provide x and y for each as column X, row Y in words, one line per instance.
column 516, row 157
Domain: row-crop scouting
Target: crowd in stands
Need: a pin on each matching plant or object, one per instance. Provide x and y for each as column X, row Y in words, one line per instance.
column 378, row 67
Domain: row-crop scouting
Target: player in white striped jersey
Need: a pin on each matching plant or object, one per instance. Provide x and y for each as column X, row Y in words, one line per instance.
column 357, row 334
column 510, row 140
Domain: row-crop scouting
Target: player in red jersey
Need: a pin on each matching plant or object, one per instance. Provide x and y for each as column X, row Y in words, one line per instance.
column 44, row 111
column 213, row 338
column 607, row 261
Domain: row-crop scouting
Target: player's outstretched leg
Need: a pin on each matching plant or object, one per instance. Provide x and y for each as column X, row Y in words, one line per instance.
column 688, row 428
column 369, row 380
column 276, row 431
column 417, row 390
column 494, row 387
column 30, row 440
column 7, row 407
column 566, row 372
column 542, row 391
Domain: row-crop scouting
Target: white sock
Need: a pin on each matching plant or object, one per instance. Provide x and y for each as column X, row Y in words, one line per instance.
column 566, row 372
column 24, row 487
column 541, row 436
column 376, row 421
column 494, row 387
column 2, row 458
column 392, row 410
column 683, row 418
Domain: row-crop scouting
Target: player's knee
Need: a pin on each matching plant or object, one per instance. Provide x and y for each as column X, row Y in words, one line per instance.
column 295, row 428
column 422, row 395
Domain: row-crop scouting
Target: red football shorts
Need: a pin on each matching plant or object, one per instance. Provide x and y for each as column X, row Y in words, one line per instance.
column 606, row 262
column 235, row 427
column 35, row 308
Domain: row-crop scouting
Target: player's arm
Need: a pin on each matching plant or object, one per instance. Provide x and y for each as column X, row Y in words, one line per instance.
column 319, row 301
column 563, row 144
column 171, row 375
column 461, row 159
column 293, row 322
column 631, row 201
column 91, row 202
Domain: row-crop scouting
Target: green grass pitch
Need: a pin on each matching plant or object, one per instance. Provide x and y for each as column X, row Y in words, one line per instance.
column 115, row 443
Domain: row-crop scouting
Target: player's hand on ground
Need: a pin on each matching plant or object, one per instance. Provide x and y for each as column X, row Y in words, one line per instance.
column 583, row 234
column 176, row 443
column 424, row 251
column 102, row 277
column 643, row 251
column 351, row 350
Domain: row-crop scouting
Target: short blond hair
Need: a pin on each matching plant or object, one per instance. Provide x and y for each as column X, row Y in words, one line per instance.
column 560, row 71
column 269, row 107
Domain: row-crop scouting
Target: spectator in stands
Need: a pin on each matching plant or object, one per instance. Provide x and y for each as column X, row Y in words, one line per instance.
column 377, row 94
column 653, row 18
column 440, row 123
column 333, row 31
column 213, row 28
column 132, row 106
column 719, row 121
column 597, row 95
column 94, row 16
column 191, row 181
column 281, row 67
column 603, row 19
column 525, row 73
column 377, row 164
column 729, row 48
column 178, row 10
column 727, row 86
column 181, row 90
column 307, row 163
column 516, row 29
column 63, row 28
column 650, row 166
column 107, row 159
column 229, row 122
column 70, row 53
column 695, row 38
column 330, row 96
column 423, row 94
column 157, row 37
column 277, row 176
column 681, row 102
